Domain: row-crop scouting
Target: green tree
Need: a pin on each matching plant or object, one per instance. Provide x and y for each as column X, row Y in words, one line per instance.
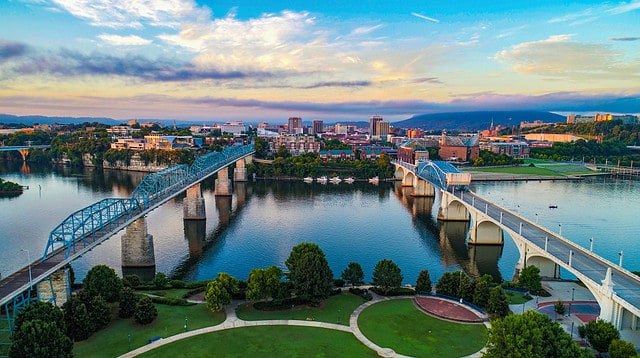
column 128, row 302
column 229, row 283
column 146, row 311
column 99, row 312
column 600, row 334
column 530, row 335
column 559, row 308
column 498, row 305
column 216, row 296
column 160, row 281
column 103, row 281
column 264, row 283
column 481, row 293
column 449, row 284
column 387, row 275
column 353, row 274
column 309, row 272
column 77, row 318
column 622, row 349
column 39, row 339
column 43, row 311
column 423, row 284
column 530, row 279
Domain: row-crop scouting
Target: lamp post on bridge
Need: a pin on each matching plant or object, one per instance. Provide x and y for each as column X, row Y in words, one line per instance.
column 560, row 231
column 30, row 275
column 591, row 244
column 621, row 255
column 536, row 218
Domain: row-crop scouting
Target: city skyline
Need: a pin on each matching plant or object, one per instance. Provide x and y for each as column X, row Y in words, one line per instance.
column 205, row 60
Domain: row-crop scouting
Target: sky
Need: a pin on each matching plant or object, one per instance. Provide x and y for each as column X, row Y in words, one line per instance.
column 203, row 60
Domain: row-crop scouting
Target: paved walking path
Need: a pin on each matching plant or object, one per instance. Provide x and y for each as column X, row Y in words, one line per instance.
column 232, row 321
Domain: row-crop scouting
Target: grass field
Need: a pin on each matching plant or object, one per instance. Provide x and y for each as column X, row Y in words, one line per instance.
column 114, row 340
column 267, row 341
column 173, row 293
column 516, row 170
column 336, row 309
column 516, row 298
column 399, row 325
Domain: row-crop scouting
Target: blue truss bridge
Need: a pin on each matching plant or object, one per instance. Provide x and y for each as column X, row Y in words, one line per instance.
column 88, row 227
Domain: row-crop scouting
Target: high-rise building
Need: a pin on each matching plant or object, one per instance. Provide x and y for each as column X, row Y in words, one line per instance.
column 295, row 125
column 373, row 127
column 318, row 126
column 383, row 129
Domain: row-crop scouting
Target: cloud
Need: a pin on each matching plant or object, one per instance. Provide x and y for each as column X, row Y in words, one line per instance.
column 625, row 7
column 425, row 17
column 11, row 49
column 117, row 40
column 624, row 38
column 561, row 56
column 132, row 13
column 574, row 18
column 338, row 84
column 365, row 30
column 426, row 80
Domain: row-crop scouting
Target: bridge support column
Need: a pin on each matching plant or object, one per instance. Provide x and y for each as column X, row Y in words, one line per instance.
column 223, row 183
column 451, row 209
column 24, row 153
column 138, row 255
column 240, row 171
column 484, row 232
column 196, row 232
column 422, row 188
column 193, row 204
column 57, row 289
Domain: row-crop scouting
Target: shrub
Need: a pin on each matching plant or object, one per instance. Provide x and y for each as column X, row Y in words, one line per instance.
column 128, row 302
column 146, row 311
column 338, row 282
column 178, row 284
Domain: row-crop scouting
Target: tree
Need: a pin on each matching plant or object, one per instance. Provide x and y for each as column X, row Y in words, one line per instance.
column 423, row 284
column 160, row 281
column 309, row 272
column 77, row 319
column 39, row 339
column 103, row 281
column 448, row 284
column 43, row 311
column 387, row 276
column 622, row 349
column 498, row 304
column 264, row 283
column 559, row 308
column 128, row 302
column 216, row 296
column 146, row 311
column 530, row 335
column 530, row 279
column 481, row 293
column 353, row 274
column 99, row 312
column 600, row 334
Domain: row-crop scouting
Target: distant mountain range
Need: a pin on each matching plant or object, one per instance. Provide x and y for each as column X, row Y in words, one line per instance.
column 473, row 121
column 462, row 121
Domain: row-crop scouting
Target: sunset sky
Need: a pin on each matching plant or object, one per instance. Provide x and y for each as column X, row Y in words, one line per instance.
column 331, row 60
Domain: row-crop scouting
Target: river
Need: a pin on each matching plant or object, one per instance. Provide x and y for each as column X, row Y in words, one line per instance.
column 263, row 220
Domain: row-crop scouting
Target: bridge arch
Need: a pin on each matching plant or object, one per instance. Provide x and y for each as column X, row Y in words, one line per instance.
column 485, row 232
column 452, row 209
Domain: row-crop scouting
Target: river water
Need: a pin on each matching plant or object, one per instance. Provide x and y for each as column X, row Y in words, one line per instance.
column 263, row 220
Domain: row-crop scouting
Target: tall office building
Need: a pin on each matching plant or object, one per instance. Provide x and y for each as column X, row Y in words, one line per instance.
column 318, row 126
column 373, row 125
column 295, row 125
column 383, row 128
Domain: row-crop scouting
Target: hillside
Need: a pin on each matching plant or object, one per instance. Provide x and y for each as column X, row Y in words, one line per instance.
column 30, row 120
column 473, row 121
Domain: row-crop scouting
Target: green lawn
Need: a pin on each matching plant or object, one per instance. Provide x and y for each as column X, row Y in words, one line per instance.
column 173, row 293
column 336, row 309
column 399, row 325
column 113, row 340
column 516, row 298
column 267, row 341
column 516, row 170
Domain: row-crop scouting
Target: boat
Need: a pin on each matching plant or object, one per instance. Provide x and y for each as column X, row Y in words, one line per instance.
column 335, row 180
column 553, row 206
column 308, row 180
column 374, row 180
column 349, row 180
column 322, row 179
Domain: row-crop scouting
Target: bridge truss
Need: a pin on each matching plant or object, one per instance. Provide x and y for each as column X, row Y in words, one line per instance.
column 442, row 174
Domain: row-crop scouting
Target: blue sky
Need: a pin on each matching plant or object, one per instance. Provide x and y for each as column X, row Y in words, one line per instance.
column 332, row 60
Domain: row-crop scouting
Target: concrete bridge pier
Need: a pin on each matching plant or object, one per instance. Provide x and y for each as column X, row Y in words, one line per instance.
column 422, row 188
column 451, row 209
column 56, row 289
column 484, row 231
column 196, row 232
column 193, row 204
column 240, row 171
column 138, row 255
column 223, row 183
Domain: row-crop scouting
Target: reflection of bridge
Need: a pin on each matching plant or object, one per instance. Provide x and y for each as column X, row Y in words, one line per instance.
column 90, row 226
column 23, row 149
column 617, row 290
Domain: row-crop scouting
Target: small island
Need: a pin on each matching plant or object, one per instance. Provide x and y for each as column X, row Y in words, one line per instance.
column 8, row 188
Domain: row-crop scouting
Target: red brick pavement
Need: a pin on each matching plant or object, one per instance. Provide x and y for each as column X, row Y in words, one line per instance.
column 447, row 309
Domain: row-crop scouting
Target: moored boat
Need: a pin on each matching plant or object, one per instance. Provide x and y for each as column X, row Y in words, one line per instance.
column 322, row 179
column 335, row 180
column 308, row 180
column 349, row 180
column 374, row 180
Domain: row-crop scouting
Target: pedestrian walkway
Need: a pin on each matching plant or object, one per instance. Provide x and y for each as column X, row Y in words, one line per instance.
column 232, row 321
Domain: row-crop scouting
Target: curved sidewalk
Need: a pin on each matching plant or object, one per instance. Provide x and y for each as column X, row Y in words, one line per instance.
column 232, row 321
